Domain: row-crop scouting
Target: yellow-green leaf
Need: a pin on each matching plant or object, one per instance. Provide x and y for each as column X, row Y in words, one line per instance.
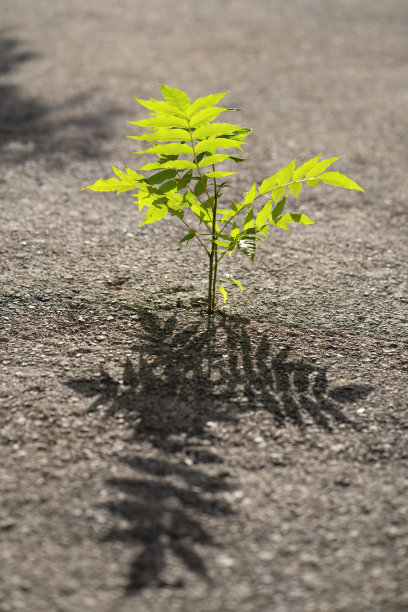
column 223, row 293
column 213, row 159
column 339, row 180
column 300, row 172
column 218, row 174
column 204, row 102
column 175, row 97
column 211, row 144
column 206, row 115
column 320, row 167
column 154, row 213
column 164, row 135
column 215, row 129
column 264, row 213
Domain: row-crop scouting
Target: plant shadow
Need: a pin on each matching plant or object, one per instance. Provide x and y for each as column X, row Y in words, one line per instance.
column 183, row 379
column 166, row 510
column 30, row 128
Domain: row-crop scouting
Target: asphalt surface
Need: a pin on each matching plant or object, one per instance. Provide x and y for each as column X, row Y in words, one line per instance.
column 153, row 459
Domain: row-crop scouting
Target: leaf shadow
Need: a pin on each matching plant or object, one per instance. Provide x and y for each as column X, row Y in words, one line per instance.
column 183, row 378
column 165, row 508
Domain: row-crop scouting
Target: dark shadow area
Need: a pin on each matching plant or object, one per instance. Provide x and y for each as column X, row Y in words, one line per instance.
column 30, row 128
column 165, row 508
column 184, row 376
column 182, row 379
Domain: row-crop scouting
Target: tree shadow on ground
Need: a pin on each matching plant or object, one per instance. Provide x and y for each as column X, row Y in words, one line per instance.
column 31, row 128
column 183, row 379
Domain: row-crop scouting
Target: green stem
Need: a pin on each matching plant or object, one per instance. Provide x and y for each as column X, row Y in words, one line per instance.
column 213, row 257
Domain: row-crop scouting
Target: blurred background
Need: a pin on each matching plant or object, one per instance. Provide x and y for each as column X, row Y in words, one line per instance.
column 310, row 75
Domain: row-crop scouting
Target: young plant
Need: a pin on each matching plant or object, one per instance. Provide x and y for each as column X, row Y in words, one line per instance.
column 186, row 181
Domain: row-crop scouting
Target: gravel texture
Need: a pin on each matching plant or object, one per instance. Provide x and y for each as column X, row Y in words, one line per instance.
column 153, row 459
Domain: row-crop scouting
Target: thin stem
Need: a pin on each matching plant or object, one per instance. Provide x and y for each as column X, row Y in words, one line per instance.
column 213, row 245
column 211, row 305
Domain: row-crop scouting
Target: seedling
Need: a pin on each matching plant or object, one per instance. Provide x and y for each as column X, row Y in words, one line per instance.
column 186, row 181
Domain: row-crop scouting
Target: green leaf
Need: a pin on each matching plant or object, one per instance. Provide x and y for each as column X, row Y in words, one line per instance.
column 293, row 218
column 200, row 187
column 159, row 106
column 295, row 188
column 238, row 160
column 279, row 178
column 250, row 195
column 218, row 174
column 276, row 194
column 233, row 280
column 278, row 210
column 313, row 182
column 320, row 167
column 189, row 236
column 205, row 102
column 164, row 135
column 339, row 180
column 211, row 144
column 175, row 97
column 249, row 219
column 206, row 115
column 223, row 293
column 247, row 246
column 305, row 167
column 216, row 129
column 169, row 149
column 264, row 213
column 234, row 230
column 159, row 177
column 162, row 121
column 213, row 159
column 124, row 182
column 154, row 213
column 178, row 164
